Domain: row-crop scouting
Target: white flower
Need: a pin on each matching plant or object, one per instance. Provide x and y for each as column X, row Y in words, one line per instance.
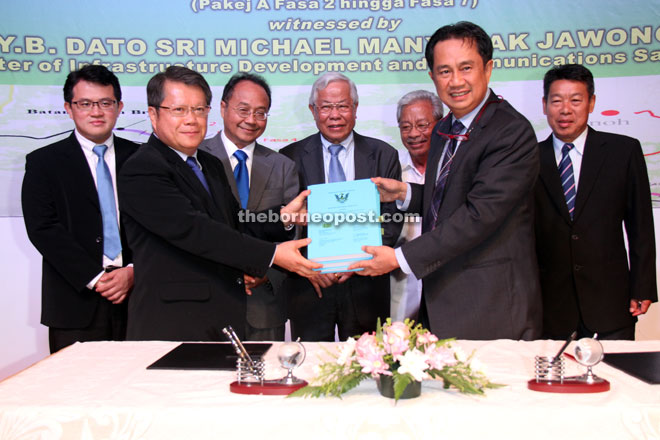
column 414, row 362
column 478, row 367
column 460, row 354
column 346, row 352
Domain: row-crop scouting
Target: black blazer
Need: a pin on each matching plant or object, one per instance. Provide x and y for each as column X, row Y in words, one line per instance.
column 189, row 253
column 373, row 158
column 583, row 263
column 480, row 277
column 63, row 221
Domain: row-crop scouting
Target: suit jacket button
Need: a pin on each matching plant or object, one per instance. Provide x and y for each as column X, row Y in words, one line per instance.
column 99, row 239
column 577, row 267
column 575, row 237
column 239, row 281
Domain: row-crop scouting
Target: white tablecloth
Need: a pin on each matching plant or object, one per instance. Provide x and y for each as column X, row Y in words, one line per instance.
column 102, row 390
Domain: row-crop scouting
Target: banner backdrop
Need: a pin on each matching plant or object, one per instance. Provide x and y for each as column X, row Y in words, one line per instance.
column 377, row 43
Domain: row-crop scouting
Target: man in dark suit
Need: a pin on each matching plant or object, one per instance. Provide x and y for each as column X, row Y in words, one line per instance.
column 83, row 296
column 476, row 252
column 183, row 224
column 352, row 303
column 590, row 184
column 267, row 179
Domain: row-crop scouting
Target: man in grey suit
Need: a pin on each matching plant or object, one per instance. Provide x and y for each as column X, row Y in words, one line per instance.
column 476, row 253
column 351, row 303
column 272, row 181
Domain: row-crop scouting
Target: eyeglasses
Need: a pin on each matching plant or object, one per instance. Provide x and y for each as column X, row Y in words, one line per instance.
column 86, row 105
column 326, row 109
column 245, row 113
column 407, row 128
column 182, row 110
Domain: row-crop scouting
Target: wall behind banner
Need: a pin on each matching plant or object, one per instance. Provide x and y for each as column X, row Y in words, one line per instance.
column 378, row 43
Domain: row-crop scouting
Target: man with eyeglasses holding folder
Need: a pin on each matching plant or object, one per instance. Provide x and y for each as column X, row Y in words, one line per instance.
column 182, row 220
column 476, row 253
column 260, row 178
column 71, row 216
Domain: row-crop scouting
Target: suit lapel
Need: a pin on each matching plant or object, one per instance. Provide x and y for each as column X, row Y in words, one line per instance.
column 363, row 158
column 549, row 175
column 78, row 167
column 262, row 167
column 592, row 161
column 312, row 162
column 433, row 161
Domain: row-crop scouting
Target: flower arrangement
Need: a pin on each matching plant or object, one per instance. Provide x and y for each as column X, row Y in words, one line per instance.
column 404, row 350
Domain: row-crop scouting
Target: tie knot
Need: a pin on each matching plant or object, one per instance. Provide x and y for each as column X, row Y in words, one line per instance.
column 566, row 148
column 192, row 162
column 240, row 155
column 457, row 127
column 100, row 150
column 335, row 149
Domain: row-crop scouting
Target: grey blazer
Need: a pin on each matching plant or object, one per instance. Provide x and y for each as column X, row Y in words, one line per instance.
column 273, row 183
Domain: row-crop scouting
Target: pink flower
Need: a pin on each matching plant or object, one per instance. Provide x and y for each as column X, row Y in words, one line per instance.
column 396, row 339
column 370, row 355
column 426, row 338
column 439, row 356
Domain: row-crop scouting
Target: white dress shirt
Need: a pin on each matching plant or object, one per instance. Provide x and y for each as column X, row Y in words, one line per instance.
column 345, row 156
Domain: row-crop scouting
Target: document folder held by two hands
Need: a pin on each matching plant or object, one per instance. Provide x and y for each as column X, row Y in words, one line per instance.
column 342, row 217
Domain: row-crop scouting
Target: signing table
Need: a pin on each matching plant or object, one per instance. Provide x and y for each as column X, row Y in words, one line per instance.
column 102, row 390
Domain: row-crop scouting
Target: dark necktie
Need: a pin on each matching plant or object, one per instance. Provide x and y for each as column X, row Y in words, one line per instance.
column 111, row 240
column 335, row 171
column 431, row 217
column 567, row 178
column 192, row 163
column 242, row 177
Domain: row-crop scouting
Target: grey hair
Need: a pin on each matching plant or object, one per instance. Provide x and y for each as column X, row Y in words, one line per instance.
column 325, row 79
column 420, row 95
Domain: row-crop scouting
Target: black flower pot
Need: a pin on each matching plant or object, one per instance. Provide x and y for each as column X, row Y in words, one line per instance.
column 386, row 388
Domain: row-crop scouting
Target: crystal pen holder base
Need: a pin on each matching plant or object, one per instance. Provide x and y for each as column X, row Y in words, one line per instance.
column 251, row 381
column 549, row 378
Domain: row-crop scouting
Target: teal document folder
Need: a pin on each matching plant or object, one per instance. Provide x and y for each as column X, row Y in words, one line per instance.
column 342, row 217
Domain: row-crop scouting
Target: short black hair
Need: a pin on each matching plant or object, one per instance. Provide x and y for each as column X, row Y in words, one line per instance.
column 179, row 74
column 228, row 91
column 92, row 73
column 571, row 72
column 463, row 30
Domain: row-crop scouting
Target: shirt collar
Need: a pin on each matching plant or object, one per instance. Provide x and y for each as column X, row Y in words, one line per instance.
column 231, row 148
column 346, row 143
column 88, row 145
column 407, row 164
column 467, row 119
column 578, row 142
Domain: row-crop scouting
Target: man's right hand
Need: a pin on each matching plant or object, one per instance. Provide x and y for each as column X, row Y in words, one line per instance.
column 390, row 189
column 288, row 256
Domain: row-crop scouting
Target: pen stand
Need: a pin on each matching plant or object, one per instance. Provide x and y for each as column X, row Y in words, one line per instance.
column 251, row 380
column 549, row 374
column 247, row 375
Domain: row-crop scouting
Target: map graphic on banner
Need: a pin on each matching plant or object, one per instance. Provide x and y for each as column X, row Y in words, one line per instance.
column 377, row 43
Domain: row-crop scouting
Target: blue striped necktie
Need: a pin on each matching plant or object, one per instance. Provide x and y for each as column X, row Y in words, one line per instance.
column 111, row 240
column 431, row 218
column 567, row 178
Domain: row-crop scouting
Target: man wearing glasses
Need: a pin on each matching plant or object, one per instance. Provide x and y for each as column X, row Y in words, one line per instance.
column 476, row 253
column 417, row 112
column 337, row 153
column 71, row 216
column 182, row 221
column 260, row 178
